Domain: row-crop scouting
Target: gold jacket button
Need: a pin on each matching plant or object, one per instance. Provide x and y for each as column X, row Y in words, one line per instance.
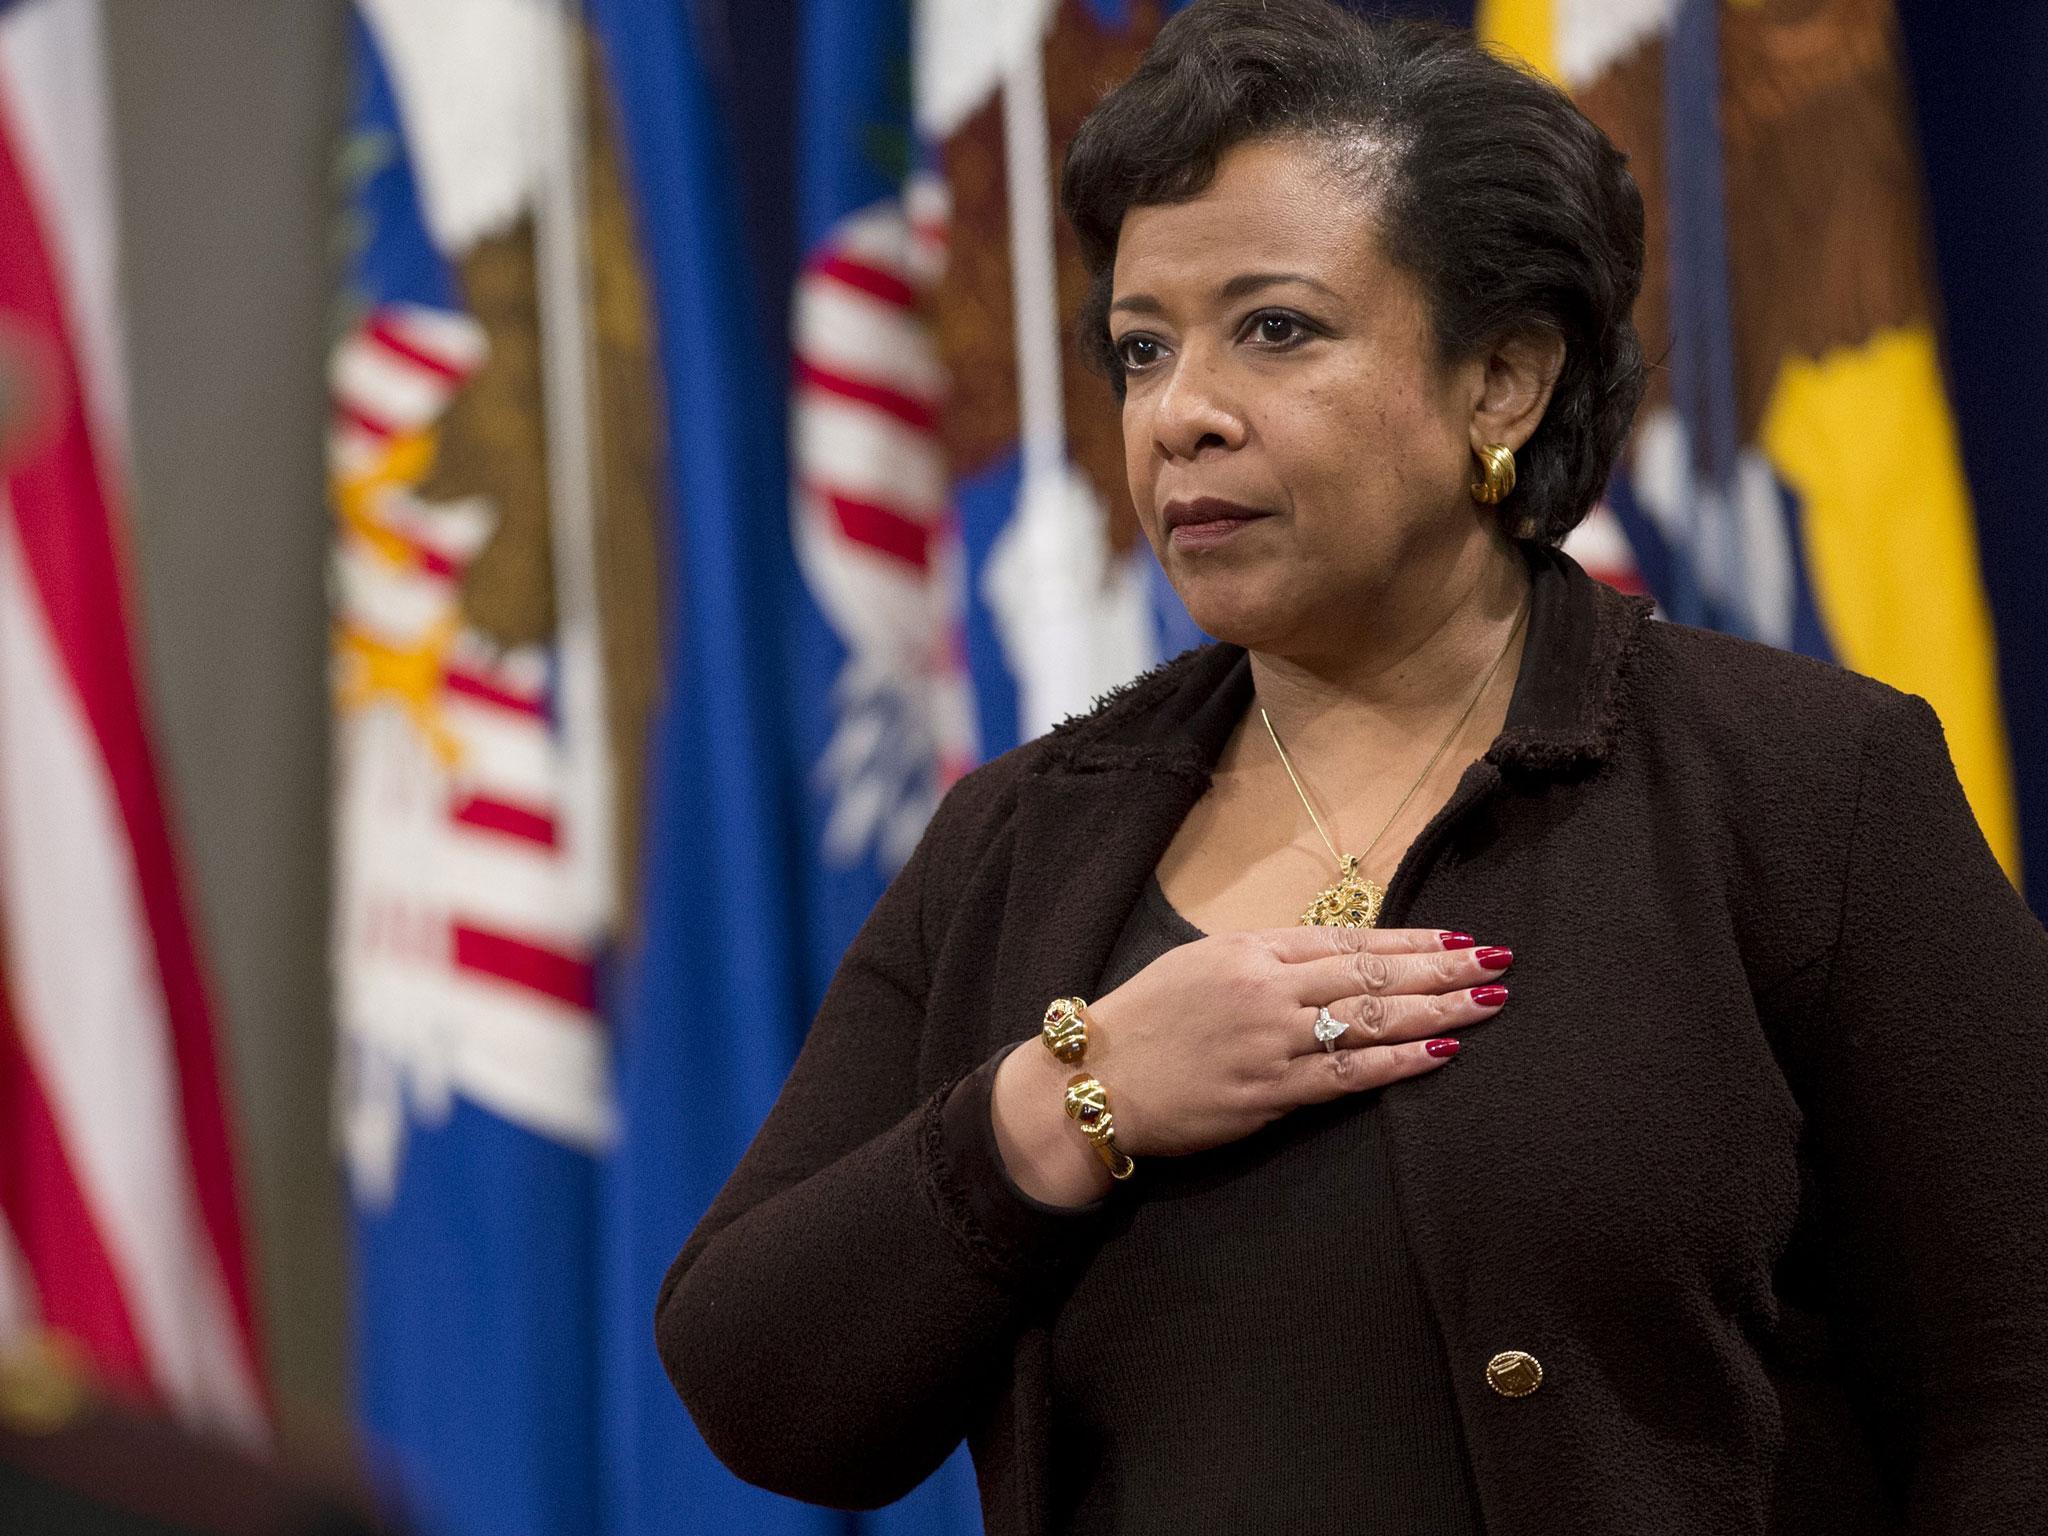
column 1514, row 1373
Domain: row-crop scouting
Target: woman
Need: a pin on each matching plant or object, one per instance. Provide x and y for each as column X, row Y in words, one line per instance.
column 1727, row 1221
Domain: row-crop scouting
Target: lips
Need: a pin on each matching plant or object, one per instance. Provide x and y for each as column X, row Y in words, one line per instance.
column 1207, row 520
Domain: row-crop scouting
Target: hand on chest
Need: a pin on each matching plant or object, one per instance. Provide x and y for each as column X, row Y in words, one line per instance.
column 1627, row 1085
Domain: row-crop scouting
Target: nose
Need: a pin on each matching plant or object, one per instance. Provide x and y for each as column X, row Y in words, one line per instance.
column 1194, row 410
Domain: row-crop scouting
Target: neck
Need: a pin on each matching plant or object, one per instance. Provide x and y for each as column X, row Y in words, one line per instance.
column 1412, row 664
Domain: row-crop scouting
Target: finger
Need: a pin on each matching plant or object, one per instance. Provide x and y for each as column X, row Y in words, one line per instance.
column 1366, row 974
column 1387, row 1020
column 1320, row 1078
column 1293, row 946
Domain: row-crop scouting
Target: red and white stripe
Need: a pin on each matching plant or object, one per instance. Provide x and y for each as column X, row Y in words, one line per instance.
column 117, row 1183
column 465, row 962
column 394, row 374
column 875, row 528
column 871, row 467
column 512, row 932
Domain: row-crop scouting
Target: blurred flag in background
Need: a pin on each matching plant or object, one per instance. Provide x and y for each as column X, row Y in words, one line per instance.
column 119, row 1221
column 1795, row 475
column 493, row 482
column 711, row 1004
column 815, row 704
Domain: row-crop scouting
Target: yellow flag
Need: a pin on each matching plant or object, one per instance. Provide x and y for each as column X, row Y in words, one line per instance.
column 1850, row 523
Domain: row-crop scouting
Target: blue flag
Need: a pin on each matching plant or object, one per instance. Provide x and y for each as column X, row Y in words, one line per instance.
column 711, row 1005
column 474, row 1076
column 742, row 919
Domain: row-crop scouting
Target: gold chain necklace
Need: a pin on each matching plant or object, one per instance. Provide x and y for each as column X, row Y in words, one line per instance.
column 1354, row 901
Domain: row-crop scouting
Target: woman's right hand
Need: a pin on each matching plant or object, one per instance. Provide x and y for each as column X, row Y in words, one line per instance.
column 1215, row 1039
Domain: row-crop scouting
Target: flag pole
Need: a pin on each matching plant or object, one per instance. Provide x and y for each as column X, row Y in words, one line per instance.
column 1075, row 620
column 563, row 291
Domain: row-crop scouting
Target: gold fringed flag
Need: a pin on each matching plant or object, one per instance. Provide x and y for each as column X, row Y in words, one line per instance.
column 1795, row 475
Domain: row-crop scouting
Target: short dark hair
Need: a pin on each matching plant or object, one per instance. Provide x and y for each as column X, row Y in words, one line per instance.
column 1511, row 209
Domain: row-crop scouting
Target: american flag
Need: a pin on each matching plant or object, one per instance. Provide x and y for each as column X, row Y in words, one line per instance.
column 119, row 1225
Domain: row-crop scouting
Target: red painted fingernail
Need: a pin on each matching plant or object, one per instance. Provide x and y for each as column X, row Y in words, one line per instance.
column 1495, row 958
column 1456, row 940
column 1489, row 996
column 1442, row 1047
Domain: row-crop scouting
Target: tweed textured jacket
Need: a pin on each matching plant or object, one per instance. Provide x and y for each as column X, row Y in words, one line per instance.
column 1755, row 1166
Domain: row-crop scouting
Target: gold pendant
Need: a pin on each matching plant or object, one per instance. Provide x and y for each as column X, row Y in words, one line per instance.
column 1353, row 902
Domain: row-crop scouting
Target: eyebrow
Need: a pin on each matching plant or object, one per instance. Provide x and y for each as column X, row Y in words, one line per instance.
column 1238, row 286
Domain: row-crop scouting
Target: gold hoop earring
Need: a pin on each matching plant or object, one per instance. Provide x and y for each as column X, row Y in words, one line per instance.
column 1498, row 477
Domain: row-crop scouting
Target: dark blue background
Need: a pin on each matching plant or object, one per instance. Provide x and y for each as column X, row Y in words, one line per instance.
column 1980, row 82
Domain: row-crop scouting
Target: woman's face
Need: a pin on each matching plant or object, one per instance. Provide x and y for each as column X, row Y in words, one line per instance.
column 1297, row 452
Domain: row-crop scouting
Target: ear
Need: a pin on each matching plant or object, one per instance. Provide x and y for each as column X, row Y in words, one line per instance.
column 1514, row 388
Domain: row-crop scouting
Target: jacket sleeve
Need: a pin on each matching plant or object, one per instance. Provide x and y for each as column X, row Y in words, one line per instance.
column 1931, row 1138
column 849, row 1302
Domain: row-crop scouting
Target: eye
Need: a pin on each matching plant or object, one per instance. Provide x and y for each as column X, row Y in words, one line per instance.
column 1136, row 351
column 1276, row 329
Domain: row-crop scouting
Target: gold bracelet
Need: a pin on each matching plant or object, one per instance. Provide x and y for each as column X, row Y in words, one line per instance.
column 1065, row 1034
column 1088, row 1107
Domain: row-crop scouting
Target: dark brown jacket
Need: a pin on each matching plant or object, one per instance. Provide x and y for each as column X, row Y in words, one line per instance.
column 1756, row 1165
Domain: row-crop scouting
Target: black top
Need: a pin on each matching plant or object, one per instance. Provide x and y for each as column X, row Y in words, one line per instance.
column 1296, row 1382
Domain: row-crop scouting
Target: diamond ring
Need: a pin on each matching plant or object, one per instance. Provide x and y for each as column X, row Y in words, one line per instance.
column 1328, row 1029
